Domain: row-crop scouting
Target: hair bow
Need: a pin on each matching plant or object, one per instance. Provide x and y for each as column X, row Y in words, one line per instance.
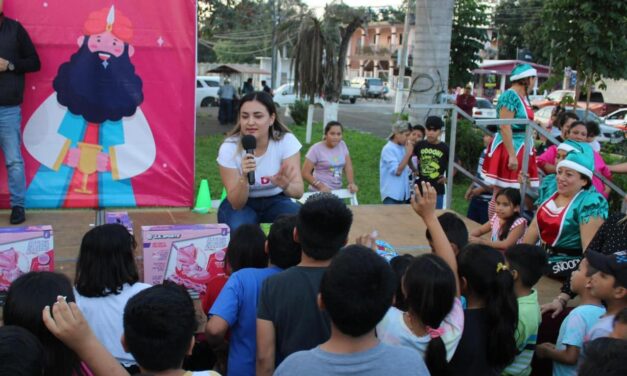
column 500, row 266
column 434, row 333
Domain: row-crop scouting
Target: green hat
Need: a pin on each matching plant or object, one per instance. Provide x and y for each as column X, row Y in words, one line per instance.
column 522, row 71
column 568, row 146
column 581, row 159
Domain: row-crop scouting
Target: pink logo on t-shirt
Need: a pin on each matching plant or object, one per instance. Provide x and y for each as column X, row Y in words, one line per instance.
column 265, row 180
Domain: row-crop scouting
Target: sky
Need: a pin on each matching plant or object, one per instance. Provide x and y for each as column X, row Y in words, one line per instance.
column 372, row 3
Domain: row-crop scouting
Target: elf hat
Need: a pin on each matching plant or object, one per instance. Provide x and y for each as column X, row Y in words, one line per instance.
column 581, row 159
column 568, row 146
column 522, row 71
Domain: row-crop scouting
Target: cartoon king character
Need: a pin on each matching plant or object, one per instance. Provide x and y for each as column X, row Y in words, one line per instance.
column 90, row 136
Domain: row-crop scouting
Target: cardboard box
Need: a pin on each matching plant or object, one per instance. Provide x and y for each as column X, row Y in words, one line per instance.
column 190, row 255
column 24, row 249
column 120, row 217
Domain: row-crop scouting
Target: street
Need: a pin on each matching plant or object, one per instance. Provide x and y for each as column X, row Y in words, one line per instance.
column 373, row 115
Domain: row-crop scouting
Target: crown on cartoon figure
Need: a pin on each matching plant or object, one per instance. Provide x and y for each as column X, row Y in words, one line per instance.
column 111, row 20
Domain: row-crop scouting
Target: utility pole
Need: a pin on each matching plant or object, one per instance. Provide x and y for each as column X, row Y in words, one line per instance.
column 398, row 104
column 275, row 23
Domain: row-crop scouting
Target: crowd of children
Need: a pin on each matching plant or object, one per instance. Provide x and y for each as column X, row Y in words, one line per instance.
column 318, row 306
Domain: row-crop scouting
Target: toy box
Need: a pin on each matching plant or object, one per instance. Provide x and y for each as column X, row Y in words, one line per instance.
column 190, row 255
column 24, row 249
column 120, row 217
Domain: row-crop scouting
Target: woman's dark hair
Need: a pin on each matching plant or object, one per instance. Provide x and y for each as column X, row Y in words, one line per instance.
column 400, row 264
column 430, row 288
column 21, row 353
column 106, row 261
column 332, row 123
column 564, row 116
column 26, row 299
column 489, row 279
column 277, row 130
column 593, row 128
column 578, row 124
column 247, row 248
column 513, row 196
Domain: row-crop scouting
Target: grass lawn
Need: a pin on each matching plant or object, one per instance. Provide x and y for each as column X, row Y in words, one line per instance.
column 365, row 150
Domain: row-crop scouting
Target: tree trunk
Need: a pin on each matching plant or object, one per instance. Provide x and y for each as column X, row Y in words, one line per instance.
column 310, row 113
column 330, row 112
column 431, row 52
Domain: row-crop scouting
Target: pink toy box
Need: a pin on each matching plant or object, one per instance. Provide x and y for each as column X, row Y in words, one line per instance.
column 120, row 217
column 24, row 249
column 190, row 255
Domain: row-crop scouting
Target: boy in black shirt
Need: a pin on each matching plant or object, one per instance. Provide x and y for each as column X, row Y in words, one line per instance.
column 432, row 157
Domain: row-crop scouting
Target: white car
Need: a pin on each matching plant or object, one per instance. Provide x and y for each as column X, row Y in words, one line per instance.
column 207, row 91
column 286, row 95
column 483, row 109
column 617, row 119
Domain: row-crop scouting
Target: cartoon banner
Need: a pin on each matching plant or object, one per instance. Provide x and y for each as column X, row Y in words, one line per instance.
column 109, row 120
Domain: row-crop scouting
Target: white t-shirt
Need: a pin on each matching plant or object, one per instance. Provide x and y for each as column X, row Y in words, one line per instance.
column 104, row 315
column 269, row 164
column 394, row 331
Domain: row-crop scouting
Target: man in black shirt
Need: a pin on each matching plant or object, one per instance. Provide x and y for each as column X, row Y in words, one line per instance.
column 17, row 57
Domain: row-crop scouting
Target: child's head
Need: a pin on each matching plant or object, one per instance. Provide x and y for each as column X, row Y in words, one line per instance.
column 21, row 353
column 417, row 133
column 246, row 249
column 357, row 289
column 508, row 209
column 581, row 279
column 527, row 263
column 333, row 133
column 487, row 282
column 323, row 225
column 609, row 283
column 429, row 286
column 564, row 120
column 434, row 125
column 282, row 249
column 620, row 325
column 400, row 132
column 593, row 130
column 159, row 326
column 106, row 261
column 26, row 299
column 399, row 265
column 604, row 356
column 455, row 229
column 578, row 132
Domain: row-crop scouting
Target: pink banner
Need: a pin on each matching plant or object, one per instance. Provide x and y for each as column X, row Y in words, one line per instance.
column 109, row 119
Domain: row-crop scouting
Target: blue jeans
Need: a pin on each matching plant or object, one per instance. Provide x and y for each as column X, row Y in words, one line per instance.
column 10, row 142
column 478, row 210
column 391, row 201
column 439, row 202
column 256, row 210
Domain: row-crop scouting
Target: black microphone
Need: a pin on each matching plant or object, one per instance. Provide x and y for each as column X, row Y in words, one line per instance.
column 249, row 143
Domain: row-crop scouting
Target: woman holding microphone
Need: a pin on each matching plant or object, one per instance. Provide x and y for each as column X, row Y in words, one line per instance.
column 260, row 176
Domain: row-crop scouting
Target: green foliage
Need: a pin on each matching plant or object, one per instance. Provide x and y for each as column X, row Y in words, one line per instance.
column 469, row 144
column 298, row 111
column 466, row 41
column 589, row 36
column 517, row 23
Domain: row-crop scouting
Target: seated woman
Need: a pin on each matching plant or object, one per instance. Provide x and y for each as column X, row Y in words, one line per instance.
column 569, row 211
column 275, row 163
column 326, row 160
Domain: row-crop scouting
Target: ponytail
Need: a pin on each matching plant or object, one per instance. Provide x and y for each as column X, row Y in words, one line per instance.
column 435, row 358
column 489, row 278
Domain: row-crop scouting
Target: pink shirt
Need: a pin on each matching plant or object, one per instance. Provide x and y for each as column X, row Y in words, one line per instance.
column 328, row 163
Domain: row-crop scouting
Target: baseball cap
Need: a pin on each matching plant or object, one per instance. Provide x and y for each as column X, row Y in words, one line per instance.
column 614, row 264
column 434, row 122
column 399, row 127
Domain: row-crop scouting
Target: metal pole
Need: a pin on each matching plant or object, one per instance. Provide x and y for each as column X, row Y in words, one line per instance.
column 275, row 22
column 525, row 165
column 451, row 159
column 400, row 82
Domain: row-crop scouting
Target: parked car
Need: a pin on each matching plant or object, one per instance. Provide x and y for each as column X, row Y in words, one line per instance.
column 483, row 109
column 285, row 95
column 349, row 92
column 552, row 99
column 617, row 119
column 597, row 103
column 207, row 91
column 608, row 133
column 371, row 87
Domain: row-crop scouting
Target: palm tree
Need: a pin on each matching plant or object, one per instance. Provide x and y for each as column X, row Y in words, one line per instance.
column 320, row 54
column 431, row 51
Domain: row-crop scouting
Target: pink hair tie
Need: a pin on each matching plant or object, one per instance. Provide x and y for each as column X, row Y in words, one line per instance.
column 435, row 333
